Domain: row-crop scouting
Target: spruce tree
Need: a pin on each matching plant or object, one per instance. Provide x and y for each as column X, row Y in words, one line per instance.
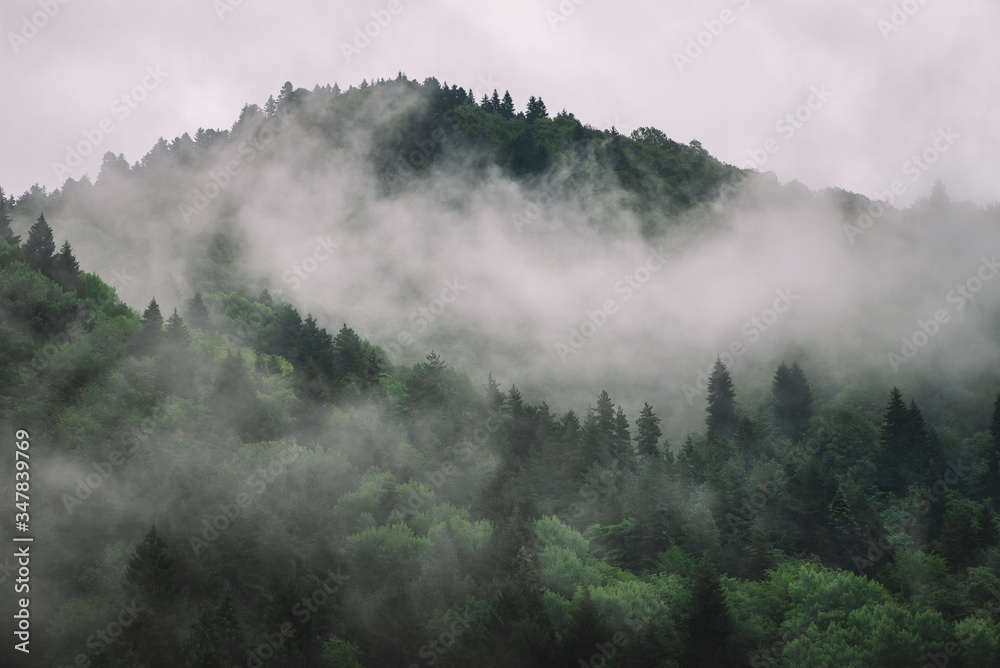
column 197, row 314
column 722, row 418
column 648, row 432
column 176, row 333
column 793, row 401
column 40, row 247
column 5, row 230
column 506, row 108
column 151, row 573
column 893, row 439
column 152, row 329
column 65, row 269
column 710, row 627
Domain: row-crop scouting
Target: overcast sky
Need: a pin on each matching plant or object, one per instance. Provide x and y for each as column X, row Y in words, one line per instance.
column 881, row 93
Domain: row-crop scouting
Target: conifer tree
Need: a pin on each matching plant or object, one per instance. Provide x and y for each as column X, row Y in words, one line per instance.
column 197, row 314
column 152, row 329
column 710, row 625
column 5, row 230
column 722, row 418
column 793, row 401
column 648, row 432
column 893, row 438
column 40, row 247
column 506, row 107
column 65, row 269
column 176, row 333
column 151, row 573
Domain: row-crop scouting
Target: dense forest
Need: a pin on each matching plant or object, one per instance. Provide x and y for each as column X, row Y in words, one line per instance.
column 222, row 478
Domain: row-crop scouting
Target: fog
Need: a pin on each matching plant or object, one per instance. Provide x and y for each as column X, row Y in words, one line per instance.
column 549, row 282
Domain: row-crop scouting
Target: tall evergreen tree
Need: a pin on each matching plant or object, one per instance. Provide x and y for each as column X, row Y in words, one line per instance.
column 40, row 247
column 65, row 269
column 151, row 572
column 793, row 401
column 648, row 432
column 197, row 314
column 219, row 636
column 506, row 108
column 710, row 628
column 176, row 332
column 5, row 231
column 152, row 329
column 722, row 418
column 536, row 109
column 894, row 437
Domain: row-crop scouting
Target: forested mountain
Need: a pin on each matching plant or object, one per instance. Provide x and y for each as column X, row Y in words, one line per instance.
column 264, row 431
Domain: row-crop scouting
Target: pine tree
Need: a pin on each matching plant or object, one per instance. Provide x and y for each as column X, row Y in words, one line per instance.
column 648, row 433
column 710, row 625
column 893, row 439
column 348, row 353
column 5, row 231
column 536, row 109
column 506, row 107
column 623, row 439
column 151, row 573
column 40, row 247
column 176, row 333
column 197, row 314
column 747, row 441
column 65, row 269
column 722, row 418
column 793, row 401
column 494, row 101
column 845, row 530
column 152, row 329
column 218, row 637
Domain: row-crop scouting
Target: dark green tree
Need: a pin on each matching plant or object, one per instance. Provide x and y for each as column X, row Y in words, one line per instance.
column 40, row 247
column 151, row 573
column 152, row 329
column 65, row 269
column 894, row 440
column 710, row 628
column 506, row 107
column 197, row 313
column 722, row 418
column 648, row 433
column 176, row 333
column 5, row 231
column 793, row 401
column 219, row 637
column 536, row 109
